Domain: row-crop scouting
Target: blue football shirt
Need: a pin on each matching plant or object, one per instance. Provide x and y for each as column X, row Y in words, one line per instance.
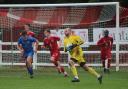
column 27, row 43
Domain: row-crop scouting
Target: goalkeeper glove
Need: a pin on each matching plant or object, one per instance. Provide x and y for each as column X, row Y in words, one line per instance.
column 69, row 48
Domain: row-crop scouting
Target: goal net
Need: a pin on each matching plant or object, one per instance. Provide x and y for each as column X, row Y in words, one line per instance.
column 87, row 20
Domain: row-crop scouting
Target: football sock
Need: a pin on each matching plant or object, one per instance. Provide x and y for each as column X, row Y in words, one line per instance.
column 30, row 70
column 109, row 63
column 62, row 69
column 106, row 64
column 74, row 71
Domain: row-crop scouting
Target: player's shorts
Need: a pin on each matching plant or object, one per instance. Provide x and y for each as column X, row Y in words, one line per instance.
column 55, row 56
column 28, row 54
column 106, row 55
column 78, row 56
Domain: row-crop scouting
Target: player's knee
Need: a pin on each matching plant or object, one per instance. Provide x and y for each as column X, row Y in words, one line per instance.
column 55, row 62
column 28, row 63
column 71, row 63
column 82, row 64
column 52, row 59
column 29, row 59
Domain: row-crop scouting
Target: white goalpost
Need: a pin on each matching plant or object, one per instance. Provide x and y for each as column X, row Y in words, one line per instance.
column 83, row 18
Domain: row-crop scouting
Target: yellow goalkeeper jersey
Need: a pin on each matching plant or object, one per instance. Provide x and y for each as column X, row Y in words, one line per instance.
column 76, row 52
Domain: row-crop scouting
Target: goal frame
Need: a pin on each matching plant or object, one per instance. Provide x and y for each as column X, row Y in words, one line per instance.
column 67, row 4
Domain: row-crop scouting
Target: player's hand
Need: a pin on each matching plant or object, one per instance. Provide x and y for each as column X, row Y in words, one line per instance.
column 74, row 45
column 35, row 50
column 59, row 44
column 69, row 48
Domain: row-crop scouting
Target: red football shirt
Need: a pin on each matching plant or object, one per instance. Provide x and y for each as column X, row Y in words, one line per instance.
column 51, row 43
column 105, row 45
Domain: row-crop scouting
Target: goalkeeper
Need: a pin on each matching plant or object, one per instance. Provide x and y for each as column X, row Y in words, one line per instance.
column 72, row 45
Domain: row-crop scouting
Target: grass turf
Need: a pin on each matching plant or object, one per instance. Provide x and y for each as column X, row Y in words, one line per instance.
column 52, row 80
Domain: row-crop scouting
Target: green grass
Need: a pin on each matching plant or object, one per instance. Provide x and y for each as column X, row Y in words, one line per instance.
column 51, row 80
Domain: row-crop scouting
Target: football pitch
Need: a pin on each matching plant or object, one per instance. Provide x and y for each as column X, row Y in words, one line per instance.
column 13, row 79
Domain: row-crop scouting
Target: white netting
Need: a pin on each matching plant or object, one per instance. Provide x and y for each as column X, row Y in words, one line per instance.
column 85, row 17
